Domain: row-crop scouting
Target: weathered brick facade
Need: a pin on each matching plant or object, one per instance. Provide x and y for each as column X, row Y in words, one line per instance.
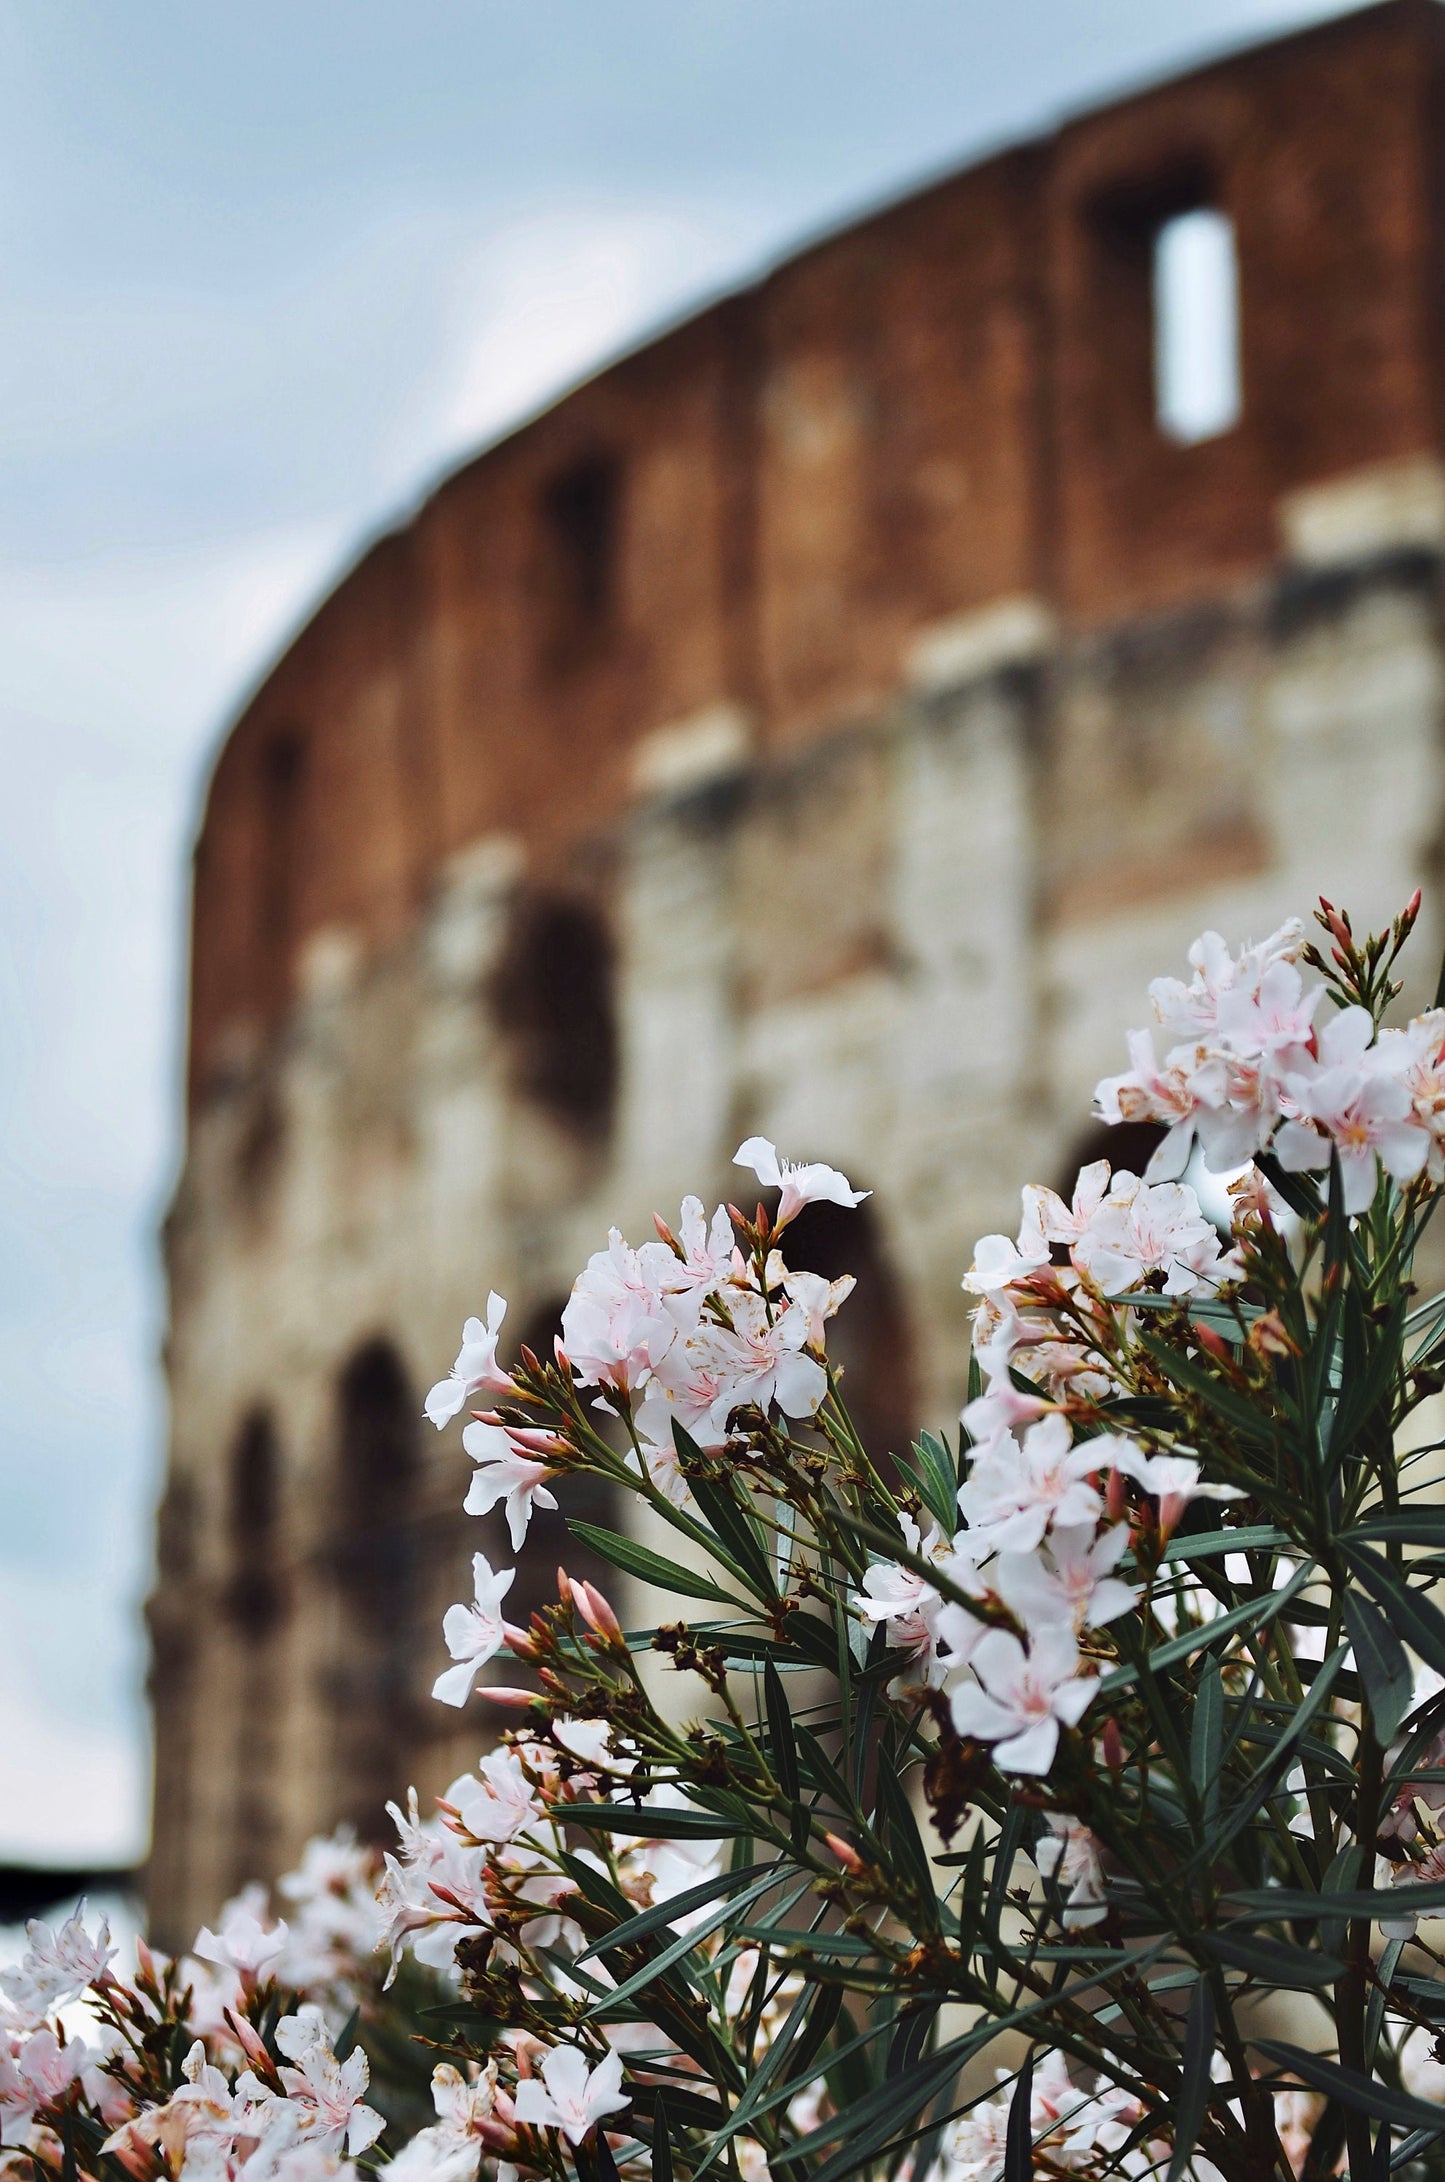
column 822, row 722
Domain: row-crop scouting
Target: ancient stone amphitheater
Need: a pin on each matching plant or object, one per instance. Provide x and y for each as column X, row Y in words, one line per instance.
column 822, row 722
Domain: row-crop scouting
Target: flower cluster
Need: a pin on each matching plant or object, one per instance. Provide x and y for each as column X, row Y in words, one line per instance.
column 1029, row 1576
column 1247, row 1067
column 1156, row 1634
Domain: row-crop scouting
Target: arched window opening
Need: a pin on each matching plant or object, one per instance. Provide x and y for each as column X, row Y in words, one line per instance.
column 580, row 524
column 376, row 1560
column 1197, row 391
column 253, row 1604
column 869, row 1340
column 253, row 1596
column 554, row 999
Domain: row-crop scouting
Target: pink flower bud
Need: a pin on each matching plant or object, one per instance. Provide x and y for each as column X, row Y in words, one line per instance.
column 595, row 1611
column 846, row 1854
column 253, row 2045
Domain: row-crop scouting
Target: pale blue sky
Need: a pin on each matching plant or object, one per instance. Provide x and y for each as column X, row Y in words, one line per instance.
column 264, row 271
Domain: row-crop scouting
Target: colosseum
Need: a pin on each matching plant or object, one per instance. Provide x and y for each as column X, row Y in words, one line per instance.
column 822, row 722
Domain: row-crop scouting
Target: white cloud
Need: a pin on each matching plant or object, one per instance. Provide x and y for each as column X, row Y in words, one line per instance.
column 76, row 1789
column 550, row 295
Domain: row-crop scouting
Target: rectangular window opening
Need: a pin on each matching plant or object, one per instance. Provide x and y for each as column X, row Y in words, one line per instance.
column 581, row 522
column 1195, row 283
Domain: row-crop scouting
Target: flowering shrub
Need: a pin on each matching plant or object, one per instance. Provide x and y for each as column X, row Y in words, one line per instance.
column 1065, row 1796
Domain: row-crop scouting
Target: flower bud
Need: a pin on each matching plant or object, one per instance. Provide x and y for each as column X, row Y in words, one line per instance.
column 596, row 1611
column 846, row 1854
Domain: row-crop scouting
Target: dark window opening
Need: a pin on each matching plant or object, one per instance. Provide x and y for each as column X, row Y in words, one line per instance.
column 581, row 521
column 553, row 998
column 283, row 767
column 253, row 1597
column 868, row 1340
column 253, row 1602
column 376, row 1565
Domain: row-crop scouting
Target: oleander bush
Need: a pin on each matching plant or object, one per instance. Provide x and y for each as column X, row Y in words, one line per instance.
column 1064, row 1794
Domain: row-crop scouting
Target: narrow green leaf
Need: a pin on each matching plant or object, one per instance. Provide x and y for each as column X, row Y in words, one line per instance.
column 684, row 1944
column 1424, row 1526
column 1018, row 2156
column 904, row 1843
column 1205, row 1545
column 732, row 1522
column 602, row 2165
column 661, row 2140
column 677, row 1905
column 1361, row 2094
column 653, row 1822
column 1193, row 2101
column 1251, row 1611
column 1206, row 1737
column 1416, row 1618
column 1384, row 1668
column 639, row 1561
column 1272, row 1962
column 910, row 2039
column 782, row 1750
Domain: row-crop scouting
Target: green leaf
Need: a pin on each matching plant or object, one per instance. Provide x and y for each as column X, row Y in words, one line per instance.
column 1254, row 1612
column 734, row 1524
column 1415, row 1617
column 1018, row 2154
column 1206, row 1737
column 1271, row 1962
column 1411, row 1526
column 661, row 2141
column 1361, row 2094
column 684, row 1944
column 782, row 1749
column 1272, row 1904
column 1194, row 2087
column 654, row 1822
column 936, row 1475
column 677, row 1905
column 639, row 1561
column 904, row 1843
column 1204, row 1545
column 1384, row 1668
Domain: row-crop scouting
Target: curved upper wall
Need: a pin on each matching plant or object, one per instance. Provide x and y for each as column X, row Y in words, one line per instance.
column 945, row 406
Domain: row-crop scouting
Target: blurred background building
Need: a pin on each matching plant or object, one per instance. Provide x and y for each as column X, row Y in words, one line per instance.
column 822, row 723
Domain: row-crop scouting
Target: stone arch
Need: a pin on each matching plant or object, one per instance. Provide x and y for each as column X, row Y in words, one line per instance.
column 554, row 998
column 253, row 1605
column 377, row 1575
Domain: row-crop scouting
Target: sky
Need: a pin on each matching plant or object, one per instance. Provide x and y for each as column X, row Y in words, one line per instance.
column 265, row 273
